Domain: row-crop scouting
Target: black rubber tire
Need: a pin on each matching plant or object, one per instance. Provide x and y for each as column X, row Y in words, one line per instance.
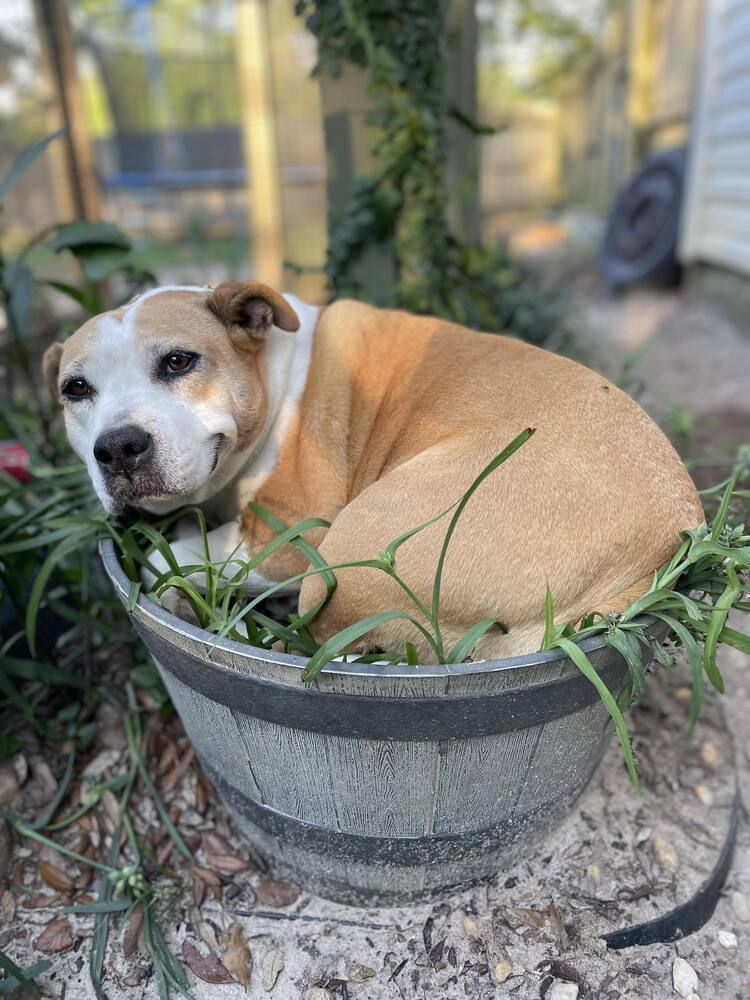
column 640, row 241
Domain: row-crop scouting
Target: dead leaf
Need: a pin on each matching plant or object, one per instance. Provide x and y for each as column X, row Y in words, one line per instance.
column 136, row 977
column 167, row 759
column 273, row 963
column 206, row 967
column 199, row 889
column 9, row 787
column 228, row 864
column 57, row 936
column 55, row 877
column 204, row 878
column 41, row 901
column 43, row 784
column 110, row 732
column 557, row 927
column 133, row 931
column 272, row 892
column 235, row 954
column 111, row 809
column 210, row 878
column 206, row 933
column 201, row 797
column 21, row 767
column 214, row 843
column 103, row 761
column 8, row 905
column 177, row 772
column 519, row 916
column 162, row 854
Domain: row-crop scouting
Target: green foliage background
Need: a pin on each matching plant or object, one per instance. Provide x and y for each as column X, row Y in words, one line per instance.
column 401, row 206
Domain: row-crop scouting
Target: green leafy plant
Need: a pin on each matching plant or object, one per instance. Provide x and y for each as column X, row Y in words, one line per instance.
column 400, row 206
column 54, row 596
column 122, row 887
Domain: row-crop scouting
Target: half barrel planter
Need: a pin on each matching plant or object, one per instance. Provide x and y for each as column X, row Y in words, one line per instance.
column 381, row 784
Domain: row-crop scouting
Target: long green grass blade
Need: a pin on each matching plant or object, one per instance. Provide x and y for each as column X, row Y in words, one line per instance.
column 496, row 462
column 695, row 661
column 620, row 641
column 21, row 977
column 588, row 670
column 716, row 623
column 723, row 512
column 470, row 638
column 549, row 619
column 340, row 642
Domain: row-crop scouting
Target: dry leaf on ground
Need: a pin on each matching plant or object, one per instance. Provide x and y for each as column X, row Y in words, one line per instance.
column 276, row 893
column 228, row 864
column 55, row 877
column 206, row 967
column 273, row 963
column 235, row 954
column 133, row 931
column 57, row 936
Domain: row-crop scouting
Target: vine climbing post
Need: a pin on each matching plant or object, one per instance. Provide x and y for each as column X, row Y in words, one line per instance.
column 395, row 75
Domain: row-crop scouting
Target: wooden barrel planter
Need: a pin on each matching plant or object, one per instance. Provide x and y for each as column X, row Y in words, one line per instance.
column 381, row 784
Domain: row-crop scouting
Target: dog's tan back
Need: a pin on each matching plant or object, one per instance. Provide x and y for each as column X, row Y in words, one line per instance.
column 401, row 413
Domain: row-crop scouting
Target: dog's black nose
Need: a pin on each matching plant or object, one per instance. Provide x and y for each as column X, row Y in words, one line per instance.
column 124, row 449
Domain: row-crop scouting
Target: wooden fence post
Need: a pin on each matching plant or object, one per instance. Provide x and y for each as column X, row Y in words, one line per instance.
column 58, row 47
column 259, row 138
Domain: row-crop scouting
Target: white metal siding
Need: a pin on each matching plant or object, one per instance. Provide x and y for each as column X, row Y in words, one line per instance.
column 716, row 225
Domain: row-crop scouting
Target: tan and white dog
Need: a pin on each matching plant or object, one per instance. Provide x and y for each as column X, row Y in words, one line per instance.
column 377, row 420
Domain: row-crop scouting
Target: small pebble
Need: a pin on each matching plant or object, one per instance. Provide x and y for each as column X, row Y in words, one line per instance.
column 594, row 873
column 727, row 939
column 665, row 854
column 470, row 926
column 704, row 793
column 684, row 977
column 562, row 991
column 683, row 693
column 740, row 906
column 709, row 754
column 502, row 970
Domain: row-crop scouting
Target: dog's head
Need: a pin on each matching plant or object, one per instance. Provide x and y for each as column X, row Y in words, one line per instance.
column 165, row 397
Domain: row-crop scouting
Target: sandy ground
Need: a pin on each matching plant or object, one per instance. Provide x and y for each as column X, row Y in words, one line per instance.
column 535, row 931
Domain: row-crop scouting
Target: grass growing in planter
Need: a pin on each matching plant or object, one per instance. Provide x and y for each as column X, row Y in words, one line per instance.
column 692, row 595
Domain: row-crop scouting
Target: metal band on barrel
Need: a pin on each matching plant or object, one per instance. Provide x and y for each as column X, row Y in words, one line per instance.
column 458, row 716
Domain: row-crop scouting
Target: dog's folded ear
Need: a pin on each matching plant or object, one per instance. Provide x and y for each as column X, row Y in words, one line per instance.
column 51, row 368
column 251, row 306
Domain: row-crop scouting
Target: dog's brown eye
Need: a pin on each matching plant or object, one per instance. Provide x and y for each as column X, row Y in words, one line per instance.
column 76, row 388
column 179, row 361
